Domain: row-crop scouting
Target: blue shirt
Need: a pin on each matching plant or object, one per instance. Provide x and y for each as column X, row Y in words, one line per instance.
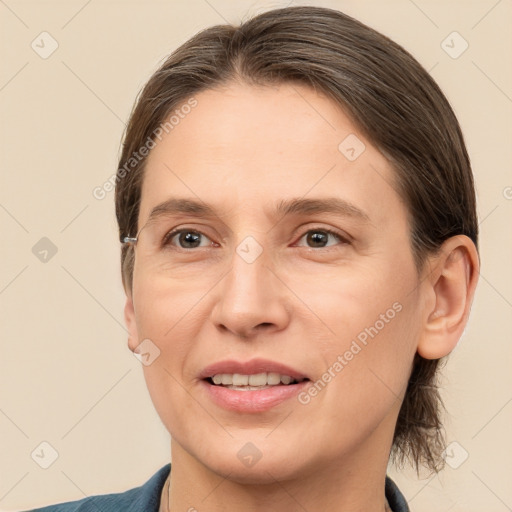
column 146, row 498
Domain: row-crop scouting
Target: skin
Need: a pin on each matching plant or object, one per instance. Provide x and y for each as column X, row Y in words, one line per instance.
column 242, row 149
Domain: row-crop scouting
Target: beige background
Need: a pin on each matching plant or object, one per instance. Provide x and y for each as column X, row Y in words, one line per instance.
column 66, row 375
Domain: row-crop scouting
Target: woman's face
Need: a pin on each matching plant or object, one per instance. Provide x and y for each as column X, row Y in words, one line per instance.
column 261, row 279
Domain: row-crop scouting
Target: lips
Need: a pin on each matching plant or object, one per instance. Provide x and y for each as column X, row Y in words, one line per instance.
column 254, row 366
column 248, row 399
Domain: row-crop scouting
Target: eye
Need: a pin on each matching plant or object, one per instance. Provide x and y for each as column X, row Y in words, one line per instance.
column 187, row 239
column 319, row 237
column 192, row 239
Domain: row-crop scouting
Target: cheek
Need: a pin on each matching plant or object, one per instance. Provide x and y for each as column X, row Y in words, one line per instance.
column 164, row 306
column 354, row 301
column 366, row 353
column 165, row 318
column 164, row 312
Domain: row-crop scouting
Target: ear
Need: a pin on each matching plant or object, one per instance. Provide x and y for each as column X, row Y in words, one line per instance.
column 451, row 284
column 131, row 324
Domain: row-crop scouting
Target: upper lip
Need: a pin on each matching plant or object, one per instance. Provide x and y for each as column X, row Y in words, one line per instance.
column 250, row 367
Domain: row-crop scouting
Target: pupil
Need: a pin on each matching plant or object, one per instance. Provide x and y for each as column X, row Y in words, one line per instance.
column 318, row 237
column 189, row 238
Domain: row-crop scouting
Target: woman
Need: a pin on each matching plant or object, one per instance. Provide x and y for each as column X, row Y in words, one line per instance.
column 299, row 250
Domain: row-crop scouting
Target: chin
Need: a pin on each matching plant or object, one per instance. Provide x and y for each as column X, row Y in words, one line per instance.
column 260, row 474
column 250, row 466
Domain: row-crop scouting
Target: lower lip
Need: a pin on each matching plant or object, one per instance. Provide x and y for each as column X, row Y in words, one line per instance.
column 252, row 400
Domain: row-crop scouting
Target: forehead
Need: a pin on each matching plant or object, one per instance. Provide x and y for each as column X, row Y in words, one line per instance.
column 245, row 148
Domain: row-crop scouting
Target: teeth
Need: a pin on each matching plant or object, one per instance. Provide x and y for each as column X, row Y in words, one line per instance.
column 259, row 379
column 255, row 380
column 273, row 378
column 240, row 380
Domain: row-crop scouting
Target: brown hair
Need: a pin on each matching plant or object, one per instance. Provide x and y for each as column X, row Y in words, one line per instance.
column 389, row 96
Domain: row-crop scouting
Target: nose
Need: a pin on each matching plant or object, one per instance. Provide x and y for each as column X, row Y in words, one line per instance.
column 251, row 299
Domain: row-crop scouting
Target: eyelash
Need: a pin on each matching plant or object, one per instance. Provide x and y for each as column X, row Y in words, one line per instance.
column 169, row 236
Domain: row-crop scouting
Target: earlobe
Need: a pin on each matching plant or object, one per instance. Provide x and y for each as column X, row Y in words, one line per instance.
column 131, row 325
column 453, row 282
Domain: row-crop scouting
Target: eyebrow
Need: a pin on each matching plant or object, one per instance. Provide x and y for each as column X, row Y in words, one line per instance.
column 293, row 206
column 334, row 205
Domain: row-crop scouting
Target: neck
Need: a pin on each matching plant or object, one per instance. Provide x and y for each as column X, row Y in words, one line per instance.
column 355, row 484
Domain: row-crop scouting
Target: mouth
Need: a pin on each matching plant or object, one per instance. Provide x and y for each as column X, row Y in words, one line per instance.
column 252, row 386
column 252, row 382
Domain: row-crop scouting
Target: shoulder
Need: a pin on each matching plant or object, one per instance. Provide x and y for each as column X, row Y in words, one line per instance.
column 395, row 498
column 146, row 497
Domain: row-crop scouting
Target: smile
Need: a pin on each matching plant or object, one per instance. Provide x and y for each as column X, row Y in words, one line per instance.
column 252, row 382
